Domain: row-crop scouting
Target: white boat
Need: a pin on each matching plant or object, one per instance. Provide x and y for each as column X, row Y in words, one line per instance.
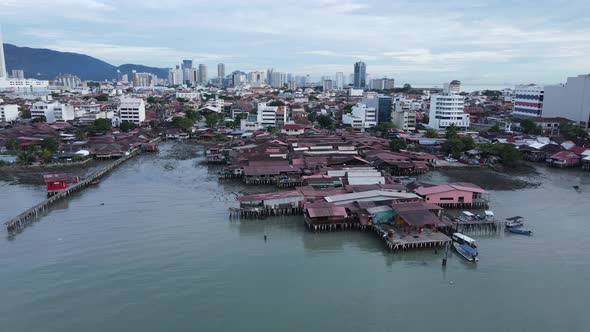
column 489, row 215
column 514, row 222
column 466, row 251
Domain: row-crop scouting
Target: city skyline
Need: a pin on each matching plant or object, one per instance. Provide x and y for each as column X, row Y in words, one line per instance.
column 475, row 41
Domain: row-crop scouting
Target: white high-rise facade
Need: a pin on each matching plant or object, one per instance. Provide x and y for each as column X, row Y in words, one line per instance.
column 132, row 110
column 339, row 80
column 220, row 73
column 3, row 71
column 203, row 74
column 570, row 100
column 447, row 109
column 362, row 116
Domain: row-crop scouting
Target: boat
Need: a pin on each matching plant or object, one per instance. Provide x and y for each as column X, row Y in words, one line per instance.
column 465, row 250
column 95, row 182
column 514, row 222
column 520, row 231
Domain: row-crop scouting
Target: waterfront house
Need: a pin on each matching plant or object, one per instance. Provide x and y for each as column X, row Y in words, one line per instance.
column 564, row 159
column 55, row 183
column 454, row 195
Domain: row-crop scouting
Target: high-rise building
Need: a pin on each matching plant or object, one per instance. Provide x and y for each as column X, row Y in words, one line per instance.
column 187, row 64
column 382, row 84
column 570, row 100
column 277, row 79
column 528, row 100
column 447, row 109
column 360, row 75
column 220, row 73
column 256, row 78
column 269, row 72
column 68, row 81
column 3, row 71
column 175, row 75
column 339, row 80
column 202, row 74
column 18, row 74
column 143, row 80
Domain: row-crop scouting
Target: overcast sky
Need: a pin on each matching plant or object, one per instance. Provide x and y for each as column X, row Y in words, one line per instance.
column 432, row 41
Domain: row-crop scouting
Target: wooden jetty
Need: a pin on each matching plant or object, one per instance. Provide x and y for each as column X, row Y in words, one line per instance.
column 22, row 220
column 477, row 227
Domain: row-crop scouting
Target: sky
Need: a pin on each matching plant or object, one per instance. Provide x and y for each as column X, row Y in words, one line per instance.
column 431, row 41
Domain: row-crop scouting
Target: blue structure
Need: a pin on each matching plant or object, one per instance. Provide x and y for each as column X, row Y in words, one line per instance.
column 384, row 108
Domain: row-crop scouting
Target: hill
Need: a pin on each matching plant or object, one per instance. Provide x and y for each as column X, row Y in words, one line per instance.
column 46, row 64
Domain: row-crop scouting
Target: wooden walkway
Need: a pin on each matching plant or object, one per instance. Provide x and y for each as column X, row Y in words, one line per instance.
column 22, row 220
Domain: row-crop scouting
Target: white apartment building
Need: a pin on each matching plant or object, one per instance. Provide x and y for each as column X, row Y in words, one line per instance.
column 447, row 109
column 8, row 113
column 188, row 94
column 23, row 85
column 362, row 116
column 271, row 116
column 570, row 100
column 528, row 100
column 327, row 85
column 18, row 74
column 68, row 81
column 144, row 80
column 53, row 112
column 213, row 105
column 132, row 110
column 256, row 78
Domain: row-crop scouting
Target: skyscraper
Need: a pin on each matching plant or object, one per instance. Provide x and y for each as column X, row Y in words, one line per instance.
column 360, row 75
column 220, row 73
column 339, row 80
column 3, row 73
column 187, row 64
column 202, row 74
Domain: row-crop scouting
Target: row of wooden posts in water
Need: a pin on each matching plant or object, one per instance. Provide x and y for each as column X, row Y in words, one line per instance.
column 22, row 220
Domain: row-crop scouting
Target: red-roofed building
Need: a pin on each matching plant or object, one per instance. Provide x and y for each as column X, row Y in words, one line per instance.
column 564, row 159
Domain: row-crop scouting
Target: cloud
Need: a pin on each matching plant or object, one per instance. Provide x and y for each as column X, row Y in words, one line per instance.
column 413, row 39
column 119, row 54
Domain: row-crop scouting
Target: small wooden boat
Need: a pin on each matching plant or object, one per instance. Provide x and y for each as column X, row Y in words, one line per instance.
column 95, row 182
column 520, row 231
column 466, row 251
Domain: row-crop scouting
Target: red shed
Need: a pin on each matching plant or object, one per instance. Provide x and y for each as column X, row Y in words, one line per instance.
column 55, row 182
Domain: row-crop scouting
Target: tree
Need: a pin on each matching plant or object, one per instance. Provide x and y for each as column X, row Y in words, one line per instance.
column 425, row 119
column 495, row 129
column 468, row 143
column 211, row 119
column 151, row 99
column 276, row 103
column 102, row 125
column 397, row 144
column 45, row 155
column 452, row 131
column 12, row 145
column 508, row 153
column 325, row 121
column 81, row 134
column 50, row 144
column 407, row 87
column 194, row 115
column 570, row 130
column 127, row 126
column 431, row 133
column 181, row 100
column 312, row 117
column 26, row 156
column 347, row 109
column 102, row 98
column 38, row 119
column 529, row 127
column 25, row 112
column 454, row 146
column 182, row 122
column 238, row 119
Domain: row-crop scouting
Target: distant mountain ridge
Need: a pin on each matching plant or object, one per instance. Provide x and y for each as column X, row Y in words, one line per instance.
column 47, row 64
